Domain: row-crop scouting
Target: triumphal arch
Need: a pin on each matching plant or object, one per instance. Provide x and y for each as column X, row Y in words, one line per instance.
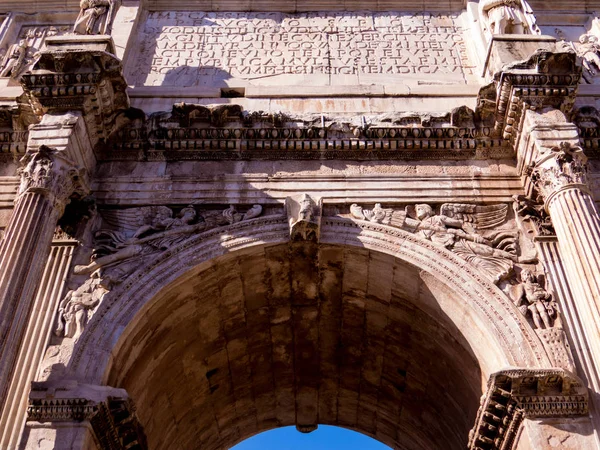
column 220, row 217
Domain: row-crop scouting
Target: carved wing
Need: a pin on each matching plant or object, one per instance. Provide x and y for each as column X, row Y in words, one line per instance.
column 133, row 218
column 481, row 217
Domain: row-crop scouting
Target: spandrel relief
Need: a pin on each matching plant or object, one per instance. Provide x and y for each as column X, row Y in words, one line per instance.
column 19, row 56
column 139, row 232
column 125, row 241
column 478, row 234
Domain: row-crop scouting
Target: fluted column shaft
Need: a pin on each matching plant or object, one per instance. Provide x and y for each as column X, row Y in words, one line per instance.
column 577, row 226
column 559, row 176
column 48, row 179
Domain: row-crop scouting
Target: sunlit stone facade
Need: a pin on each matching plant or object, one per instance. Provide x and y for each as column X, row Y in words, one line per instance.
column 222, row 217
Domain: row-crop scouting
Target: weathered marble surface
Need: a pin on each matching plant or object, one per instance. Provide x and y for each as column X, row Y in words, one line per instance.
column 199, row 48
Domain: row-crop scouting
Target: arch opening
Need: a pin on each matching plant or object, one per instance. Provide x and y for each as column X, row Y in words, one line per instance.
column 305, row 334
column 326, row 437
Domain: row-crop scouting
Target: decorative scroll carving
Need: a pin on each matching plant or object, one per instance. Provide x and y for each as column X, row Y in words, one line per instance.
column 513, row 395
column 457, row 228
column 559, row 168
column 50, row 172
column 152, row 229
column 508, row 17
column 110, row 412
column 534, row 301
column 304, row 216
column 96, row 16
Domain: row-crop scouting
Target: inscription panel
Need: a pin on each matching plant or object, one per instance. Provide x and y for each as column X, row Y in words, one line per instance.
column 197, row 48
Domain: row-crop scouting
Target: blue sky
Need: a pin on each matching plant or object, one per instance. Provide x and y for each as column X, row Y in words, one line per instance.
column 324, row 438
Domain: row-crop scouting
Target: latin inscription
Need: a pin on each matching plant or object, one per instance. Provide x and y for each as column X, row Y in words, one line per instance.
column 191, row 48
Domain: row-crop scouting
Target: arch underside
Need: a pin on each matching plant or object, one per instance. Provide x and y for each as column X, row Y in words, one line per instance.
column 239, row 330
column 300, row 334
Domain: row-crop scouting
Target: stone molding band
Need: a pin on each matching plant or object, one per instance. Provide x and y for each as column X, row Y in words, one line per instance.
column 517, row 394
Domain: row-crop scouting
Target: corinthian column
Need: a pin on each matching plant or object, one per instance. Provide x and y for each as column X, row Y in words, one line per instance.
column 559, row 176
column 48, row 179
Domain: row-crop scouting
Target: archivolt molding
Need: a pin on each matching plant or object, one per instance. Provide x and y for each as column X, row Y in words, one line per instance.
column 118, row 310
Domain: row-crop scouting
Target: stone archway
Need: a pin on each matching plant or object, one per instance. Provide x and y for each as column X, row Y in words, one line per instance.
column 444, row 326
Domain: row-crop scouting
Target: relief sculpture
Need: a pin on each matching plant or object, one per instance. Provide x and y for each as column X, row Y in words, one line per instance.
column 459, row 228
column 14, row 60
column 96, row 16
column 152, row 229
column 534, row 301
column 507, row 17
column 76, row 307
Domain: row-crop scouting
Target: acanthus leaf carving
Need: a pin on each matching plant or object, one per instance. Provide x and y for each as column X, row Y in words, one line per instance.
column 461, row 228
column 559, row 168
column 52, row 173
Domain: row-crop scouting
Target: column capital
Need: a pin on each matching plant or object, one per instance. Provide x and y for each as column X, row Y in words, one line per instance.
column 515, row 394
column 559, row 168
column 51, row 173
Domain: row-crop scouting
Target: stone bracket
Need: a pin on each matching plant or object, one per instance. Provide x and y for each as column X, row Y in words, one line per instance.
column 515, row 394
column 110, row 411
column 304, row 216
column 81, row 77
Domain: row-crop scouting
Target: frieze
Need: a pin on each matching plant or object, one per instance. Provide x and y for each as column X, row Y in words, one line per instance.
column 110, row 412
column 87, row 80
column 195, row 132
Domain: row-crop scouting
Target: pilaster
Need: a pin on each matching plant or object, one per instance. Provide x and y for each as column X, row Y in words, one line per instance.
column 554, row 170
column 76, row 90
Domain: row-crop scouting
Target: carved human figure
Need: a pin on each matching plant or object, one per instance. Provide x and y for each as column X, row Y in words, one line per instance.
column 75, row 306
column 163, row 222
column 531, row 297
column 150, row 230
column 14, row 60
column 306, row 208
column 589, row 49
column 95, row 16
column 502, row 16
column 457, row 235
